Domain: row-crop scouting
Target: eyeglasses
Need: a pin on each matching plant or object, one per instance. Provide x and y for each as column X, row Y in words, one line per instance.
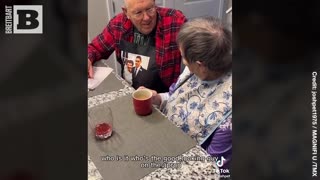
column 140, row 14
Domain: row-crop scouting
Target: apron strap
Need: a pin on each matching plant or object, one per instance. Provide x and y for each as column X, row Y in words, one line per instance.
column 218, row 124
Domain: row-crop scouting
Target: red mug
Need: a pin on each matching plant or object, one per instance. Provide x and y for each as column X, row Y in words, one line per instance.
column 142, row 102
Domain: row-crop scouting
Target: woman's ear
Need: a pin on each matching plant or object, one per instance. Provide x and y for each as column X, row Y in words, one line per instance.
column 201, row 67
column 199, row 63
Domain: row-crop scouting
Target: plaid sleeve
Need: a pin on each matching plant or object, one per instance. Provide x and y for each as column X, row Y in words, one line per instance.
column 171, row 57
column 103, row 45
column 177, row 68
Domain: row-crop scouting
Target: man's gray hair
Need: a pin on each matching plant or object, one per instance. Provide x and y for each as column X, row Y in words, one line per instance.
column 206, row 40
column 125, row 3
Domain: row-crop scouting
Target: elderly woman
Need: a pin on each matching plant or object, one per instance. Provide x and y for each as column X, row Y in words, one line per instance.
column 200, row 103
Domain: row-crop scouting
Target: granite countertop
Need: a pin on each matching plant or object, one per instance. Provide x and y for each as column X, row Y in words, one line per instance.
column 186, row 170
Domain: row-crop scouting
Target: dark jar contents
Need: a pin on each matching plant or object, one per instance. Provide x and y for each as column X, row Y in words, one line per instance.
column 103, row 131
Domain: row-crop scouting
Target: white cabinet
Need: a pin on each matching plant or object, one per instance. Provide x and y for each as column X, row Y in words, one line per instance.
column 227, row 14
column 198, row 8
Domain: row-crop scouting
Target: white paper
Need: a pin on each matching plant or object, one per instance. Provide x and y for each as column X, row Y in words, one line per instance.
column 99, row 74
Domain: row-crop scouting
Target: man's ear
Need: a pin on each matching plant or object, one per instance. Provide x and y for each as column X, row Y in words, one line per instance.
column 124, row 10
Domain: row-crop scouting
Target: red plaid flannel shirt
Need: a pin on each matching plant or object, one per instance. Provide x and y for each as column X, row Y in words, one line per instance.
column 168, row 57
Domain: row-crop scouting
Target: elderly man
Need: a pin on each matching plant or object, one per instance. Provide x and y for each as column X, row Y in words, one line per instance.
column 147, row 30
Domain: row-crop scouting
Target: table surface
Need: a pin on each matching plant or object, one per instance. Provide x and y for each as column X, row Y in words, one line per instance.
column 188, row 169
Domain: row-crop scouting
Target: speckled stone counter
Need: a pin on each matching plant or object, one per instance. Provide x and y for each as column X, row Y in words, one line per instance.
column 203, row 169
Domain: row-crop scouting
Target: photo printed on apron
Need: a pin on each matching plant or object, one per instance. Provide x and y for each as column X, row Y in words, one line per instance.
column 140, row 68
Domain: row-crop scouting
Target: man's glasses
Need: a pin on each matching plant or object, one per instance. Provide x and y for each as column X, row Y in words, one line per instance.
column 140, row 14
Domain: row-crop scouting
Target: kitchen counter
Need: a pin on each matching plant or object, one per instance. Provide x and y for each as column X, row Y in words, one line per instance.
column 187, row 169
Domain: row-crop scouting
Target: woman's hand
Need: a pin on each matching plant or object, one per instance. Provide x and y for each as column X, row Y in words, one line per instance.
column 156, row 98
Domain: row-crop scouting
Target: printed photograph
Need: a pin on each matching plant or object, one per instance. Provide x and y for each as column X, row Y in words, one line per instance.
column 133, row 64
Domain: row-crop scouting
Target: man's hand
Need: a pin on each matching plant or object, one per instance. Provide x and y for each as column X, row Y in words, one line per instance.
column 90, row 69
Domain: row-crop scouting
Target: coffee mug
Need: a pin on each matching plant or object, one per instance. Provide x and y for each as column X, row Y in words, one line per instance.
column 142, row 102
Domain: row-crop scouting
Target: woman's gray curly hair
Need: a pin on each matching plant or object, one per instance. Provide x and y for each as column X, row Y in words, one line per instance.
column 206, row 40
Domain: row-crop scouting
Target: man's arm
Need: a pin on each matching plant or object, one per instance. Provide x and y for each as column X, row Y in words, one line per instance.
column 90, row 69
column 103, row 45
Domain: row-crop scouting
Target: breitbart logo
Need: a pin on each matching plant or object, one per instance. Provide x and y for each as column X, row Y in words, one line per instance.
column 23, row 19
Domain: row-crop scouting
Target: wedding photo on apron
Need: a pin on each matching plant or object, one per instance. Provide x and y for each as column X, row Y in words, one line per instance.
column 138, row 58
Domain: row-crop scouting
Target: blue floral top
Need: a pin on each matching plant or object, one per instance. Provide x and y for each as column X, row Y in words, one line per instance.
column 199, row 107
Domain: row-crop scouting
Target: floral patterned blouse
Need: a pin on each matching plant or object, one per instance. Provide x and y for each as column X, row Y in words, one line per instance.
column 199, row 107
